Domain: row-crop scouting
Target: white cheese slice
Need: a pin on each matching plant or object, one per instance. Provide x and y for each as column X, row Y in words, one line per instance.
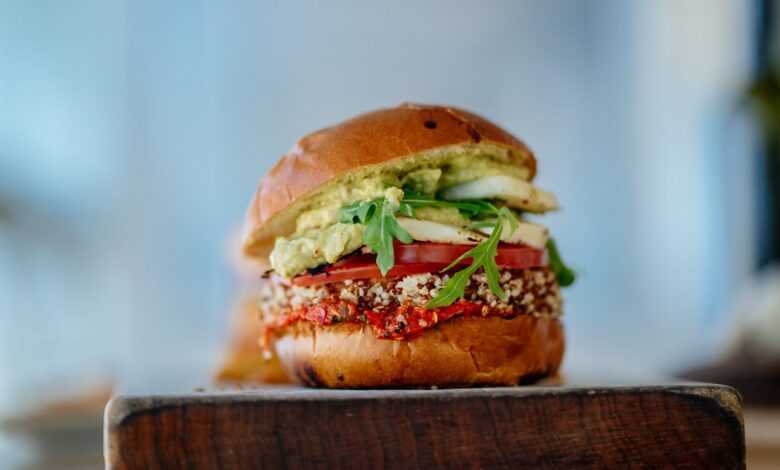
column 516, row 192
column 425, row 230
column 527, row 233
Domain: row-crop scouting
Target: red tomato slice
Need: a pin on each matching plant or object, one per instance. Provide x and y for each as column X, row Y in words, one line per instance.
column 509, row 256
column 418, row 258
column 368, row 270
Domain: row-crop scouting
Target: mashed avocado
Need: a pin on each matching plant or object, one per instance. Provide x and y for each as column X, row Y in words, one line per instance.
column 320, row 238
column 425, row 180
column 325, row 210
column 294, row 255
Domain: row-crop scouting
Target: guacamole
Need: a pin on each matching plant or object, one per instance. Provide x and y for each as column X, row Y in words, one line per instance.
column 294, row 255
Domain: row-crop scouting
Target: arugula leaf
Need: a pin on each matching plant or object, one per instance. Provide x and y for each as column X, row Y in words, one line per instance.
column 510, row 217
column 378, row 215
column 483, row 256
column 406, row 209
column 452, row 290
column 565, row 275
column 469, row 208
column 358, row 212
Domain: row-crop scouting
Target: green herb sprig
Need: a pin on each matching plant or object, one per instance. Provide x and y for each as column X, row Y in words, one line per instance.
column 564, row 274
column 483, row 256
column 470, row 209
column 378, row 215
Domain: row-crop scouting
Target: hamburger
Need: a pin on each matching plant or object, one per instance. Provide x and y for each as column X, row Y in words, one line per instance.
column 400, row 253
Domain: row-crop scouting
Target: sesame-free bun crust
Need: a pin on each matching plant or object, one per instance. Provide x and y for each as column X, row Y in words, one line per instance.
column 363, row 144
column 460, row 351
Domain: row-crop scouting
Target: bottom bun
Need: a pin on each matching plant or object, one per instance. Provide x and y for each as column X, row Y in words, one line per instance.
column 460, row 351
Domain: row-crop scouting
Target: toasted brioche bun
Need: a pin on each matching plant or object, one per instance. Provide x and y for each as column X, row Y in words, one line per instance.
column 366, row 144
column 461, row 351
column 244, row 362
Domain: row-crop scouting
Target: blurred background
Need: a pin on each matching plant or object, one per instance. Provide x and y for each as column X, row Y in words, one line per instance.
column 133, row 133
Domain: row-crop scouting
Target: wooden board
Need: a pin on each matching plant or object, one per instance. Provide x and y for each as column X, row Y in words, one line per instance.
column 669, row 426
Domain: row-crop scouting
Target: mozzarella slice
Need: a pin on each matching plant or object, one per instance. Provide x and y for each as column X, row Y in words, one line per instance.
column 516, row 192
column 425, row 230
column 527, row 233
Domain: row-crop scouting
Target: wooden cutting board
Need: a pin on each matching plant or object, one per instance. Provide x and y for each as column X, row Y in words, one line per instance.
column 648, row 426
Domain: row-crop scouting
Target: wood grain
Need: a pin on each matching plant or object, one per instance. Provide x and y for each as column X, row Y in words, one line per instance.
column 679, row 426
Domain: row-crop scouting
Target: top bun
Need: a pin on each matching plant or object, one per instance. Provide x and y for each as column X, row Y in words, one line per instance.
column 363, row 144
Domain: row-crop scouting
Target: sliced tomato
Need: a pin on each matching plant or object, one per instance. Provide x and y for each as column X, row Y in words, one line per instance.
column 364, row 270
column 510, row 256
column 418, row 258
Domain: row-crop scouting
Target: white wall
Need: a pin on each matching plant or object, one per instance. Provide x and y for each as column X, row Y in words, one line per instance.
column 132, row 135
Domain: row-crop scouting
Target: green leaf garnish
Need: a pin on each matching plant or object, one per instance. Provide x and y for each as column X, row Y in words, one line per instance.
column 358, row 212
column 565, row 275
column 483, row 256
column 509, row 216
column 470, row 208
column 378, row 215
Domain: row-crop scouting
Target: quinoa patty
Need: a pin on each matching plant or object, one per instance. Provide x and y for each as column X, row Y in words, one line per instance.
column 529, row 292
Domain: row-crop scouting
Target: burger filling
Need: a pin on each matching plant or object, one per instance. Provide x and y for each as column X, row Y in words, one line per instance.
column 402, row 251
